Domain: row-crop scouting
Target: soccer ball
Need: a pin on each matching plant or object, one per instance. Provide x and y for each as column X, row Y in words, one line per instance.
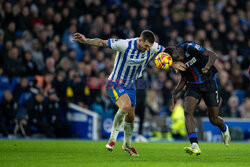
column 163, row 61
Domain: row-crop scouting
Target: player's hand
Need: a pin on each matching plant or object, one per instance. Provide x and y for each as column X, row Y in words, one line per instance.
column 205, row 70
column 173, row 102
column 179, row 66
column 79, row 37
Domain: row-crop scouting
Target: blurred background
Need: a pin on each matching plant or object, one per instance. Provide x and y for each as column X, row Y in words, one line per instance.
column 53, row 87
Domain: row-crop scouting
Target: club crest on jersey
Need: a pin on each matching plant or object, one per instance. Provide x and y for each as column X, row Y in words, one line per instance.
column 191, row 62
column 121, row 90
column 187, row 54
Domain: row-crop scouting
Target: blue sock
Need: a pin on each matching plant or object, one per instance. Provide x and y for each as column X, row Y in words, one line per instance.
column 224, row 129
column 193, row 137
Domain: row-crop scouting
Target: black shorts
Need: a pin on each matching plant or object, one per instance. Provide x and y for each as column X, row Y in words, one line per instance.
column 207, row 90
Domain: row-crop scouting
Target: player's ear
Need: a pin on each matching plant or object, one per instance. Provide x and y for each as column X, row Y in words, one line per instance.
column 140, row 40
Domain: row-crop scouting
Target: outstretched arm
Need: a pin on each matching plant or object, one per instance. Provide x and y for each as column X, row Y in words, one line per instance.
column 211, row 59
column 93, row 42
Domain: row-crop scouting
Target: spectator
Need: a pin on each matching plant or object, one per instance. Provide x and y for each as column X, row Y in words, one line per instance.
column 23, row 19
column 8, row 15
column 37, row 55
column 100, row 61
column 51, row 108
column 67, row 36
column 72, row 58
column 231, row 109
column 64, row 65
column 8, row 110
column 50, row 65
column 36, row 114
column 48, row 79
column 237, row 78
column 58, row 24
column 10, row 32
column 60, row 84
column 21, row 87
column 18, row 7
column 81, row 93
column 30, row 65
column 13, row 65
column 245, row 108
column 152, row 101
column 27, row 41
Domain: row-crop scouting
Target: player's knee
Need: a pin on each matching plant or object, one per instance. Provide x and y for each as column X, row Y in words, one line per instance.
column 130, row 117
column 188, row 112
column 213, row 120
column 126, row 107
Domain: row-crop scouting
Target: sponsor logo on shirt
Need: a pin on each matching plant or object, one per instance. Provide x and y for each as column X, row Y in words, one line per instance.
column 136, row 61
column 191, row 62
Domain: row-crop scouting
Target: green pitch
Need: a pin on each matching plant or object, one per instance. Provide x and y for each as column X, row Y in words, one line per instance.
column 74, row 153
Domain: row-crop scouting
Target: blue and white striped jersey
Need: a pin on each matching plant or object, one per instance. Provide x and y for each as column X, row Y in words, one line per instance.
column 130, row 62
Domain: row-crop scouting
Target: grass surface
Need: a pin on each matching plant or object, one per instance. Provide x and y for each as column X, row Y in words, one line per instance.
column 88, row 153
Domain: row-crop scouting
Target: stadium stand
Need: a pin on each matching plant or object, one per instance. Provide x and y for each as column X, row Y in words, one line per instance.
column 36, row 44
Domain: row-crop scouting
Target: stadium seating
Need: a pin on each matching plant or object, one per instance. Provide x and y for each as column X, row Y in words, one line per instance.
column 4, row 83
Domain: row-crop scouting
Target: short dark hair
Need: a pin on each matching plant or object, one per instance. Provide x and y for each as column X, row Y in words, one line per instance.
column 148, row 35
column 170, row 50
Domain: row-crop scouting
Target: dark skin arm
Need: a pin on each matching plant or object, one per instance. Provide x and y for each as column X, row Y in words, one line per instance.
column 212, row 57
column 178, row 88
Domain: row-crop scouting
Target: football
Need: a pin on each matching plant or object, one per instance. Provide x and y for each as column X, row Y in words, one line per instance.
column 163, row 61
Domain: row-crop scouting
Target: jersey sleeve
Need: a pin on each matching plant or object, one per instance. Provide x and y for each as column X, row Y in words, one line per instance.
column 156, row 48
column 118, row 44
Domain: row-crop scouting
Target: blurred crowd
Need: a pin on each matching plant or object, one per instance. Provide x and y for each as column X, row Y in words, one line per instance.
column 41, row 69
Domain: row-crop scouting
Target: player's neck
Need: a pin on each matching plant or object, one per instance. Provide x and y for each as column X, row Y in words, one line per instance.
column 180, row 52
column 137, row 45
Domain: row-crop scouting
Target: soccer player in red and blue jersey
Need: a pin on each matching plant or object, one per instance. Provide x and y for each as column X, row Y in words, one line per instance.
column 200, row 82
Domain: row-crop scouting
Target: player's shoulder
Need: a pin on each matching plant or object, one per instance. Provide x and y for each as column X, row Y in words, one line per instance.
column 130, row 43
column 190, row 46
column 118, row 44
column 114, row 40
column 185, row 44
column 156, row 47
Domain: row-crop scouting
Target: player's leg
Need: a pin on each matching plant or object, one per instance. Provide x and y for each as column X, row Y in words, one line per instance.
column 128, row 133
column 212, row 100
column 124, row 105
column 218, row 121
column 192, row 98
column 213, row 114
column 129, row 125
column 189, row 106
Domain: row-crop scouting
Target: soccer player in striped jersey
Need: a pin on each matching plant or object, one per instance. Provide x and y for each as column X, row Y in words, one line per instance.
column 132, row 57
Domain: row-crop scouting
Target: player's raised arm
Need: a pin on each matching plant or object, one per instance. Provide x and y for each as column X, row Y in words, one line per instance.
column 178, row 88
column 211, row 59
column 93, row 42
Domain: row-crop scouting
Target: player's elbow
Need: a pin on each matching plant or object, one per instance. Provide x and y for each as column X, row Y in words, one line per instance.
column 213, row 55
